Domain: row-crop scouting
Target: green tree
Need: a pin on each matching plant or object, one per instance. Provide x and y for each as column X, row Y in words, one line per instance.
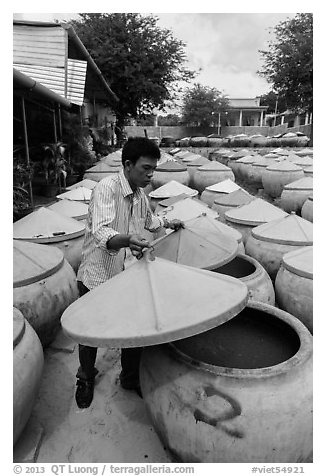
column 202, row 104
column 269, row 99
column 169, row 120
column 288, row 63
column 142, row 62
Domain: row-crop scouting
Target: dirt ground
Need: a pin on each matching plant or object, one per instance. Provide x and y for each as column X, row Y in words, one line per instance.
column 115, row 428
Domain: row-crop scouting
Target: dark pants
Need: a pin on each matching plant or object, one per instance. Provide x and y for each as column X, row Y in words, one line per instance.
column 130, row 359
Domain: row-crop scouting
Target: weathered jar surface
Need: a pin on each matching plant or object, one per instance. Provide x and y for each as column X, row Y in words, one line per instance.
column 240, row 393
column 294, row 285
column 44, row 285
column 268, row 243
column 210, row 174
column 28, row 363
column 307, row 209
column 295, row 194
column 168, row 171
column 276, row 176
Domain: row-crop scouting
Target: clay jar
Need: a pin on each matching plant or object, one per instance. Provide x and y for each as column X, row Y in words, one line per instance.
column 168, row 171
column 230, row 201
column 210, row 174
column 309, row 171
column 218, row 190
column 87, row 183
column 268, row 243
column 307, row 209
column 255, row 213
column 256, row 170
column 28, row 364
column 44, row 285
column 294, row 285
column 169, row 190
column 251, row 273
column 276, row 176
column 193, row 166
column 295, row 194
column 222, row 396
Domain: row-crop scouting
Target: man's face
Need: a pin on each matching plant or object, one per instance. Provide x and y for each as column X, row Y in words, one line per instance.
column 140, row 173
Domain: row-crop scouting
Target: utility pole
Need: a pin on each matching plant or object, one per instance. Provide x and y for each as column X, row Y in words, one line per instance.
column 275, row 112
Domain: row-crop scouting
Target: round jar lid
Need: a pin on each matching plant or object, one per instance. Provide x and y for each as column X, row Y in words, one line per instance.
column 87, row 183
column 212, row 166
column 81, row 194
column 34, row 262
column 255, row 213
column 305, row 152
column 18, row 326
column 290, row 230
column 47, row 226
column 166, row 301
column 171, row 166
column 226, row 186
column 284, row 166
column 235, row 199
column 300, row 262
column 194, row 246
column 262, row 161
column 303, row 161
column 240, row 153
column 305, row 183
column 70, row 208
column 101, row 167
column 271, row 155
column 248, row 159
column 209, row 224
column 172, row 189
column 198, row 162
column 185, row 208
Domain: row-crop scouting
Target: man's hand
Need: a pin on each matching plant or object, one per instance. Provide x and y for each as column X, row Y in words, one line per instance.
column 174, row 224
column 136, row 244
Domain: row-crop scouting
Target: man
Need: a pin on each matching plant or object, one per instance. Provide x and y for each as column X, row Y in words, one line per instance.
column 118, row 214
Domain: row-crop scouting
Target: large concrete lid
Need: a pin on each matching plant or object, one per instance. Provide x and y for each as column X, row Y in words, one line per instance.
column 198, row 162
column 290, row 230
column 81, row 194
column 194, row 246
column 262, row 161
column 102, row 167
column 112, row 162
column 306, row 161
column 305, row 152
column 255, row 213
column 300, row 262
column 283, row 166
column 226, row 186
column 18, row 326
column 166, row 302
column 271, row 155
column 212, row 166
column 190, row 158
column 209, row 224
column 184, row 209
column 305, row 183
column 87, row 183
column 47, row 226
column 247, row 159
column 171, row 166
column 70, row 208
column 33, row 262
column 172, row 189
column 240, row 153
column 235, row 199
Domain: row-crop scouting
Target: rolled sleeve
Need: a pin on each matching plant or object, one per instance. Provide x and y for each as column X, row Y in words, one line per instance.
column 104, row 213
column 153, row 222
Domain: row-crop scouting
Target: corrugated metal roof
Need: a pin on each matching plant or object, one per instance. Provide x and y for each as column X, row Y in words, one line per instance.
column 54, row 78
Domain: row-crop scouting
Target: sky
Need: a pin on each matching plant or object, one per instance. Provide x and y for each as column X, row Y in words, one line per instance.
column 222, row 46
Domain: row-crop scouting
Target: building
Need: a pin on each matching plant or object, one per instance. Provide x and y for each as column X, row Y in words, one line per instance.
column 244, row 112
column 53, row 55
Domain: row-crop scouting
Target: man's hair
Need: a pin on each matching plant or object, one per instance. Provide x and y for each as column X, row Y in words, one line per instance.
column 137, row 147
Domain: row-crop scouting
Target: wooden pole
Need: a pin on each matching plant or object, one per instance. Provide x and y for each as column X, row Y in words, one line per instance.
column 60, row 121
column 27, row 149
column 55, row 127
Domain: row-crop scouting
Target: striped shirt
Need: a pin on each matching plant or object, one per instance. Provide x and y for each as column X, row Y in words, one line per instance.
column 113, row 208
